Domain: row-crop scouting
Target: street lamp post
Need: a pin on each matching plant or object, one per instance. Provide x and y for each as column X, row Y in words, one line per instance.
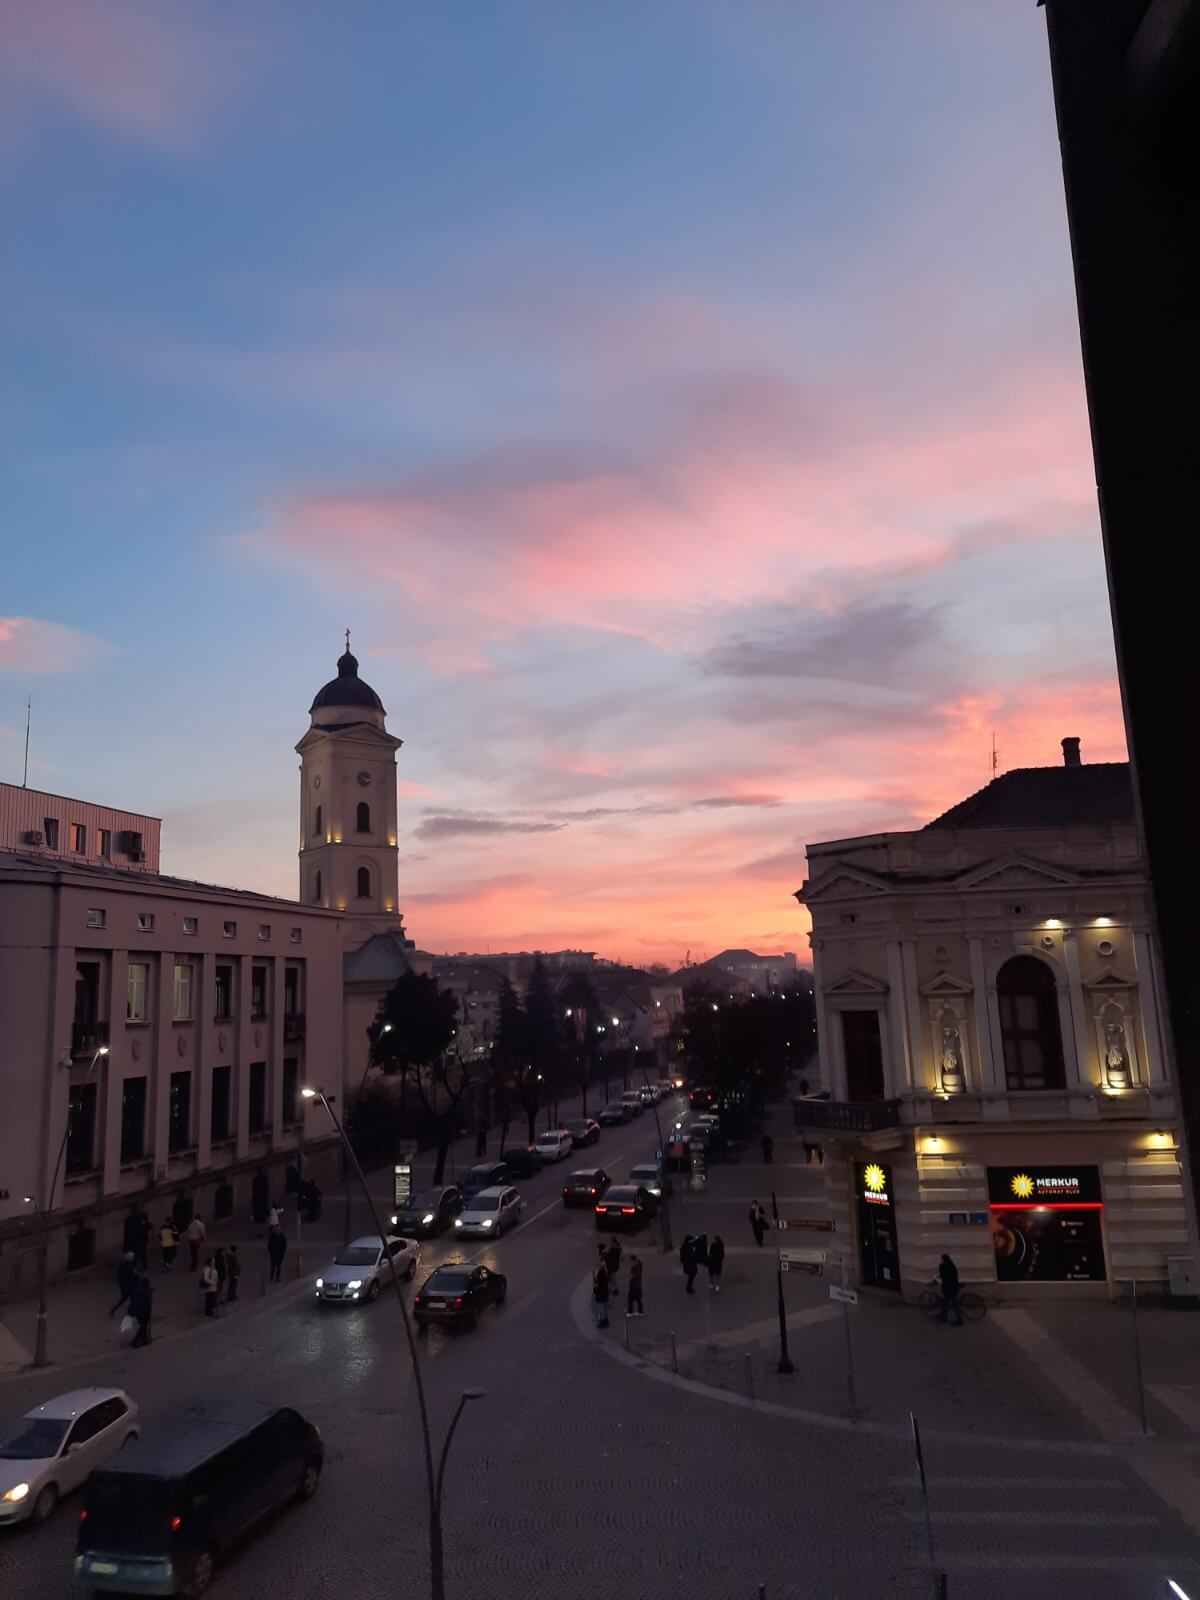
column 41, row 1357
column 433, row 1484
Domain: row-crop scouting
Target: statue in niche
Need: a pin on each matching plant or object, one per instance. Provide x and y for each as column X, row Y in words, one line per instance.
column 952, row 1061
column 1116, row 1055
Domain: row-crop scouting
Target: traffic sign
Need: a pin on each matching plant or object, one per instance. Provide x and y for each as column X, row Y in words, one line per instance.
column 401, row 1182
column 848, row 1297
column 813, row 1267
column 816, row 1224
column 814, row 1256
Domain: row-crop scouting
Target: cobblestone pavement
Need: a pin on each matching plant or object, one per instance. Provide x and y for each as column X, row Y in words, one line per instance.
column 584, row 1475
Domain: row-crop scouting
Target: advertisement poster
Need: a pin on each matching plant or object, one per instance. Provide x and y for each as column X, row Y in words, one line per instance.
column 1046, row 1224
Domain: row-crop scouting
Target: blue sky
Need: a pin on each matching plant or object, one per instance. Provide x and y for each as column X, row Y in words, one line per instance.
column 681, row 403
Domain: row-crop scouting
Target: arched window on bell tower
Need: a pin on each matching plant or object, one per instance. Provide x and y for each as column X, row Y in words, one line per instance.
column 317, row 828
column 363, row 822
column 364, row 883
column 317, row 887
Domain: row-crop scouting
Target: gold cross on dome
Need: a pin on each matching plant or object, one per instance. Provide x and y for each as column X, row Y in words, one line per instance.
column 347, row 641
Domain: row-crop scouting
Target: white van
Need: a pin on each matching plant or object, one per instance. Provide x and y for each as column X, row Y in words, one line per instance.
column 554, row 1144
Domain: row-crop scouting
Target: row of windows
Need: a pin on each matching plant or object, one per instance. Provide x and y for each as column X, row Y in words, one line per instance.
column 97, row 917
column 184, row 992
column 362, row 819
column 83, row 1113
column 130, row 840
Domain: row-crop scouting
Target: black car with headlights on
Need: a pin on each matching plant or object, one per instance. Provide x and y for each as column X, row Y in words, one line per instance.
column 430, row 1212
column 625, row 1205
column 455, row 1294
column 584, row 1188
column 485, row 1176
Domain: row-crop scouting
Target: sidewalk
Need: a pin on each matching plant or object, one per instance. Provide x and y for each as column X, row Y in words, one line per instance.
column 1052, row 1372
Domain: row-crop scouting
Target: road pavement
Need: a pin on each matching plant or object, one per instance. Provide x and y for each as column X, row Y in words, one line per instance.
column 581, row 1473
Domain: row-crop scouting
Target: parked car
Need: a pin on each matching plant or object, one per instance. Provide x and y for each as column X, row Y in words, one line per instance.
column 55, row 1446
column 648, row 1174
column 456, row 1293
column 429, row 1212
column 633, row 1099
column 484, row 1176
column 647, row 1095
column 490, row 1212
column 361, row 1269
column 554, row 1144
column 614, row 1113
column 625, row 1205
column 522, row 1162
column 585, row 1186
column 158, row 1519
column 583, row 1132
column 701, row 1097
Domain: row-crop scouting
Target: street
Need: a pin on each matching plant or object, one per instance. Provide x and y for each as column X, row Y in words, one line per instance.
column 583, row 1469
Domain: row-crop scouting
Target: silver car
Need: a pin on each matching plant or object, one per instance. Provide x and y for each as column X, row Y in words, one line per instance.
column 54, row 1448
column 360, row 1269
column 490, row 1212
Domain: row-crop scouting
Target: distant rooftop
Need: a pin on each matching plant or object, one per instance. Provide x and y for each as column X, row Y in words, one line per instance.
column 1047, row 797
column 21, row 861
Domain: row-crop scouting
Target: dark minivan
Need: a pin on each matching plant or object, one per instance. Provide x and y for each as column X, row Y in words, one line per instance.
column 159, row 1518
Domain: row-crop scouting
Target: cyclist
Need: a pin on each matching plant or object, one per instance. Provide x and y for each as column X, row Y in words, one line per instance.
column 948, row 1279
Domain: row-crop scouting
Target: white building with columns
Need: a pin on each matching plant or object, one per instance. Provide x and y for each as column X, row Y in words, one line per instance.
column 991, row 1046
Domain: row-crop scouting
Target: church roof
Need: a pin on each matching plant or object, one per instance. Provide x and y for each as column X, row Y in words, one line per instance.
column 347, row 689
column 1098, row 794
column 383, row 959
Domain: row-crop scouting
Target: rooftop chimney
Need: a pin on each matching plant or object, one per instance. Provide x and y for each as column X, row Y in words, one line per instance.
column 1071, row 753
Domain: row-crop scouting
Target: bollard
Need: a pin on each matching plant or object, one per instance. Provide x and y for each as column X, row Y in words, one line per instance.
column 749, row 1376
column 674, row 1355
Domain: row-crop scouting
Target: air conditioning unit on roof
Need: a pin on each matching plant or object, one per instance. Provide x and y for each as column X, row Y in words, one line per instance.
column 35, row 836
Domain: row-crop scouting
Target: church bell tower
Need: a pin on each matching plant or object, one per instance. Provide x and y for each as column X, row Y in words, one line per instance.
column 348, row 852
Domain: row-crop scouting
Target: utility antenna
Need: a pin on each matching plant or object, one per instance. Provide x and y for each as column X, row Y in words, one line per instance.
column 28, row 715
column 993, row 755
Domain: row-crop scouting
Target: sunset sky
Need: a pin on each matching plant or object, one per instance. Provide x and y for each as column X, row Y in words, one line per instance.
column 681, row 403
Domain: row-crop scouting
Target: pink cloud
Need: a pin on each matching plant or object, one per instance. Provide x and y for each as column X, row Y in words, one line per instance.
column 28, row 644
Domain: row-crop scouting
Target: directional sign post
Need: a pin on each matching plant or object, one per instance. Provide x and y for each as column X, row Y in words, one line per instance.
column 813, row 1224
column 847, row 1297
column 813, row 1258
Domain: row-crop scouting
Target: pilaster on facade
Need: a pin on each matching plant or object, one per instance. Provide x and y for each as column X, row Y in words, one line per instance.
column 1148, row 1006
column 918, row 1054
column 1080, row 1028
column 897, row 1016
column 984, row 1038
column 824, row 1058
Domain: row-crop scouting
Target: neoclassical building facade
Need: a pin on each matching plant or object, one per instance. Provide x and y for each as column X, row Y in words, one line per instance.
column 991, row 1043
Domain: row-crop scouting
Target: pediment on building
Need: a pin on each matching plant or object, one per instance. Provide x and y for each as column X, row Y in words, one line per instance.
column 360, row 733
column 854, row 983
column 1016, row 872
column 844, row 883
column 946, row 984
column 1111, row 981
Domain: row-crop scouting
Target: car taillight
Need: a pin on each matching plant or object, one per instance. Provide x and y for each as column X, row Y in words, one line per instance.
column 83, row 1516
column 566, row 1190
column 416, row 1300
column 176, row 1524
column 601, row 1210
column 591, row 1191
column 629, row 1211
column 458, row 1299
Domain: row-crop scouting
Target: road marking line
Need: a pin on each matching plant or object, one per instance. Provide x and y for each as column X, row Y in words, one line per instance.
column 1046, row 1519
column 908, row 1480
column 1055, row 1363
column 523, row 1304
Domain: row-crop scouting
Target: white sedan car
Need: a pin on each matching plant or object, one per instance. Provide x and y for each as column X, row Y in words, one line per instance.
column 54, row 1447
column 360, row 1269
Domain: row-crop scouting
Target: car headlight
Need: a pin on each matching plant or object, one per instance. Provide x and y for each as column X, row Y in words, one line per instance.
column 427, row 1219
column 458, row 1222
column 395, row 1221
column 487, row 1222
column 320, row 1283
column 355, row 1283
column 17, row 1492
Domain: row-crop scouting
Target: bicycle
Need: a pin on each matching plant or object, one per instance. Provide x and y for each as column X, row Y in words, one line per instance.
column 973, row 1306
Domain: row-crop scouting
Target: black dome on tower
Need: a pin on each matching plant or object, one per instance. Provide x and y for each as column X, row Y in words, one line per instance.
column 347, row 689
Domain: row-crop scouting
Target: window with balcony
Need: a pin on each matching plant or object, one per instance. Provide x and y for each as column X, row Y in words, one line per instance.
column 258, row 1096
column 1029, row 1025
column 87, row 991
column 182, row 992
column 221, row 1118
column 133, row 1119
column 863, row 1048
column 258, row 992
column 79, row 838
column 291, row 991
column 291, row 1091
column 137, row 984
column 179, row 1112
column 223, row 994
column 81, row 1129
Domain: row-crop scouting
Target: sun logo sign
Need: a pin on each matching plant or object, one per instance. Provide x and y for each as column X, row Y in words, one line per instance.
column 873, row 1179
column 1022, row 1186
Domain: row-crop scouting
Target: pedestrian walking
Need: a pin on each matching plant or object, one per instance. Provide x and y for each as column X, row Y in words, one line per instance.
column 758, row 1222
column 233, row 1267
column 689, row 1263
column 195, row 1236
column 768, row 1149
column 600, row 1291
column 716, row 1261
column 612, row 1260
column 273, row 1218
column 633, row 1301
column 168, row 1243
column 210, row 1287
column 141, row 1302
column 948, row 1279
column 127, row 1275
column 276, row 1250
column 220, row 1261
